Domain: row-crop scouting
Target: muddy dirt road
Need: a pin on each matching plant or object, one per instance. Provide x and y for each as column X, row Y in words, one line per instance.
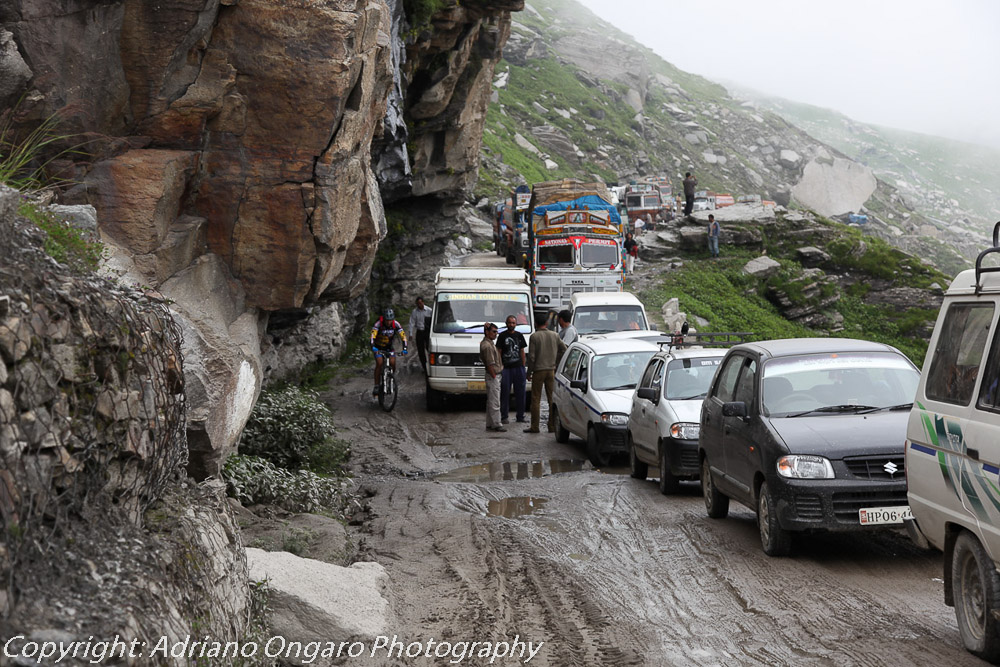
column 491, row 535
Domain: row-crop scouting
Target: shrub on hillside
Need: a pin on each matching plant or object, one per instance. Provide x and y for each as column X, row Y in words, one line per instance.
column 255, row 481
column 292, row 428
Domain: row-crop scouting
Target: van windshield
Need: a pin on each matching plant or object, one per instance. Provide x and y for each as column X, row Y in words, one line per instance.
column 606, row 319
column 466, row 312
column 797, row 385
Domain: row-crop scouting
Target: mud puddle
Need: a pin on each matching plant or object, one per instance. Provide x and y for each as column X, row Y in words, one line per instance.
column 511, row 470
column 517, row 506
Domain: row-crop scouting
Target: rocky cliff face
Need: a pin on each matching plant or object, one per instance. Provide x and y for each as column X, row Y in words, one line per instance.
column 229, row 151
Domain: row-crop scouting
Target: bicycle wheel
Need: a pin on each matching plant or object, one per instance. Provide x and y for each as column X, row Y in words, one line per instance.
column 387, row 392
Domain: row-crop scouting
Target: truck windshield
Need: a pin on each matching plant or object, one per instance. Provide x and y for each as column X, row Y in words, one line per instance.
column 633, row 201
column 555, row 255
column 593, row 254
column 605, row 319
column 465, row 312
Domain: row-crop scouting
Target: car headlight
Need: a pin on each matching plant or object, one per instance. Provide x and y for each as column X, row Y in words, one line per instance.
column 614, row 418
column 685, row 431
column 805, row 467
column 444, row 359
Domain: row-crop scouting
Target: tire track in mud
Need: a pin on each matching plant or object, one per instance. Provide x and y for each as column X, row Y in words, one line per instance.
column 611, row 572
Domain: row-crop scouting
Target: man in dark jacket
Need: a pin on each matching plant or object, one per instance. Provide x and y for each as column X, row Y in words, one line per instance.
column 511, row 344
column 690, row 183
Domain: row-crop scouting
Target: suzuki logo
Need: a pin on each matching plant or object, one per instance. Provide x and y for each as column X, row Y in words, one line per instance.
column 891, row 468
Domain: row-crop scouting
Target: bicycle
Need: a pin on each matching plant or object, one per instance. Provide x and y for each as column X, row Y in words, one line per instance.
column 387, row 388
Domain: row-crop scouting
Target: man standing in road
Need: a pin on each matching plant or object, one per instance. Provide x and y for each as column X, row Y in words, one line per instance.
column 420, row 323
column 567, row 332
column 490, row 355
column 545, row 348
column 690, row 183
column 511, row 344
column 631, row 252
column 713, row 236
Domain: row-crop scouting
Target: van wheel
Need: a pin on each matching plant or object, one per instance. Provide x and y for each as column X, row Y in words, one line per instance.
column 435, row 398
column 775, row 540
column 638, row 469
column 597, row 457
column 562, row 435
column 716, row 503
column 668, row 483
column 977, row 592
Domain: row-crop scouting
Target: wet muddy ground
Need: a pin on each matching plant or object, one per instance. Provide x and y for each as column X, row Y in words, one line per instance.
column 491, row 535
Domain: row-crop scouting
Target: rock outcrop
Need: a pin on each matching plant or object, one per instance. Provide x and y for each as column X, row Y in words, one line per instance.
column 231, row 152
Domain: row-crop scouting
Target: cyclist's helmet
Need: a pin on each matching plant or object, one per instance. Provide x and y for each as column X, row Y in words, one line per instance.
column 388, row 315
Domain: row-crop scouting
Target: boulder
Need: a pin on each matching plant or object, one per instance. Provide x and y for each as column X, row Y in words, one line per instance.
column 14, row 72
column 812, row 256
column 658, row 245
column 315, row 601
column 834, row 188
column 761, row 267
column 789, row 159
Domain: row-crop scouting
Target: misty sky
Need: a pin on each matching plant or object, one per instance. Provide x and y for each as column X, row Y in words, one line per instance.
column 931, row 67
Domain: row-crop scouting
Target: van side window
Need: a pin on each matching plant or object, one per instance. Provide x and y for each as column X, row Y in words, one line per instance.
column 652, row 370
column 989, row 391
column 959, row 353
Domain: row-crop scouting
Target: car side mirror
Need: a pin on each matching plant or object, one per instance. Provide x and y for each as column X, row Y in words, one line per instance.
column 735, row 409
column 579, row 384
column 648, row 393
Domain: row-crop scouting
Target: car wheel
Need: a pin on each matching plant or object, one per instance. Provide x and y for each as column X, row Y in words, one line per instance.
column 668, row 483
column 599, row 458
column 976, row 586
column 637, row 468
column 716, row 503
column 435, row 398
column 562, row 435
column 775, row 540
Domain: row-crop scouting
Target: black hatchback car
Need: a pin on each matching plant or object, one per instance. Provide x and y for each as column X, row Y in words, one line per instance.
column 808, row 432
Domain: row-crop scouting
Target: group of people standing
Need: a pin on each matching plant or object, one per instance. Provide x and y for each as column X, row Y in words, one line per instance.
column 509, row 367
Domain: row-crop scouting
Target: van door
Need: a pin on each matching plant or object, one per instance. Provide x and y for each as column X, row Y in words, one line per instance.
column 562, row 396
column 954, row 447
column 738, row 439
column 644, row 427
column 711, row 440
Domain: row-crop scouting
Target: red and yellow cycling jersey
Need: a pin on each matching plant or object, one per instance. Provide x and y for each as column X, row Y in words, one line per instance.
column 383, row 332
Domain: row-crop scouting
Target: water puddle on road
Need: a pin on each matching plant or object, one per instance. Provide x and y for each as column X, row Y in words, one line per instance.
column 511, row 470
column 511, row 508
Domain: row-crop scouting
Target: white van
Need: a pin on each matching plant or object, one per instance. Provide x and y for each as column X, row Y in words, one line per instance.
column 953, row 453
column 607, row 312
column 464, row 299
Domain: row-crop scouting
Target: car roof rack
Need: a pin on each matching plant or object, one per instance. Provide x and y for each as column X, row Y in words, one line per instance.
column 980, row 269
column 706, row 339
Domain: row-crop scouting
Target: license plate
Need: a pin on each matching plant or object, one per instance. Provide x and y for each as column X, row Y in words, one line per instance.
column 476, row 385
column 874, row 516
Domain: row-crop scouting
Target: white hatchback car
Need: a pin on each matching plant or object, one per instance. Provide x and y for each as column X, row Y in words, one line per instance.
column 664, row 423
column 594, row 385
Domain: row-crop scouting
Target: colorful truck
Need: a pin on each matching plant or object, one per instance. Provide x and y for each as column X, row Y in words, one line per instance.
column 510, row 229
column 642, row 199
column 575, row 239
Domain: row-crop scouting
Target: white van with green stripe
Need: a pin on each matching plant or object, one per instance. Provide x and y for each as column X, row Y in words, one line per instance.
column 953, row 452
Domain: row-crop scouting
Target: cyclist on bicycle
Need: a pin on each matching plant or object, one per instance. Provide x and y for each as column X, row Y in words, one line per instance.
column 383, row 333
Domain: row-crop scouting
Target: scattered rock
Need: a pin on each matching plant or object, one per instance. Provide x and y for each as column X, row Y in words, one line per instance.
column 762, row 267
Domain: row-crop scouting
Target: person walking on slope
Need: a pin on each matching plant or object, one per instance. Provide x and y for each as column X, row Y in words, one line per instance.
column 490, row 356
column 690, row 183
column 511, row 344
column 545, row 348
column 631, row 252
column 713, row 236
